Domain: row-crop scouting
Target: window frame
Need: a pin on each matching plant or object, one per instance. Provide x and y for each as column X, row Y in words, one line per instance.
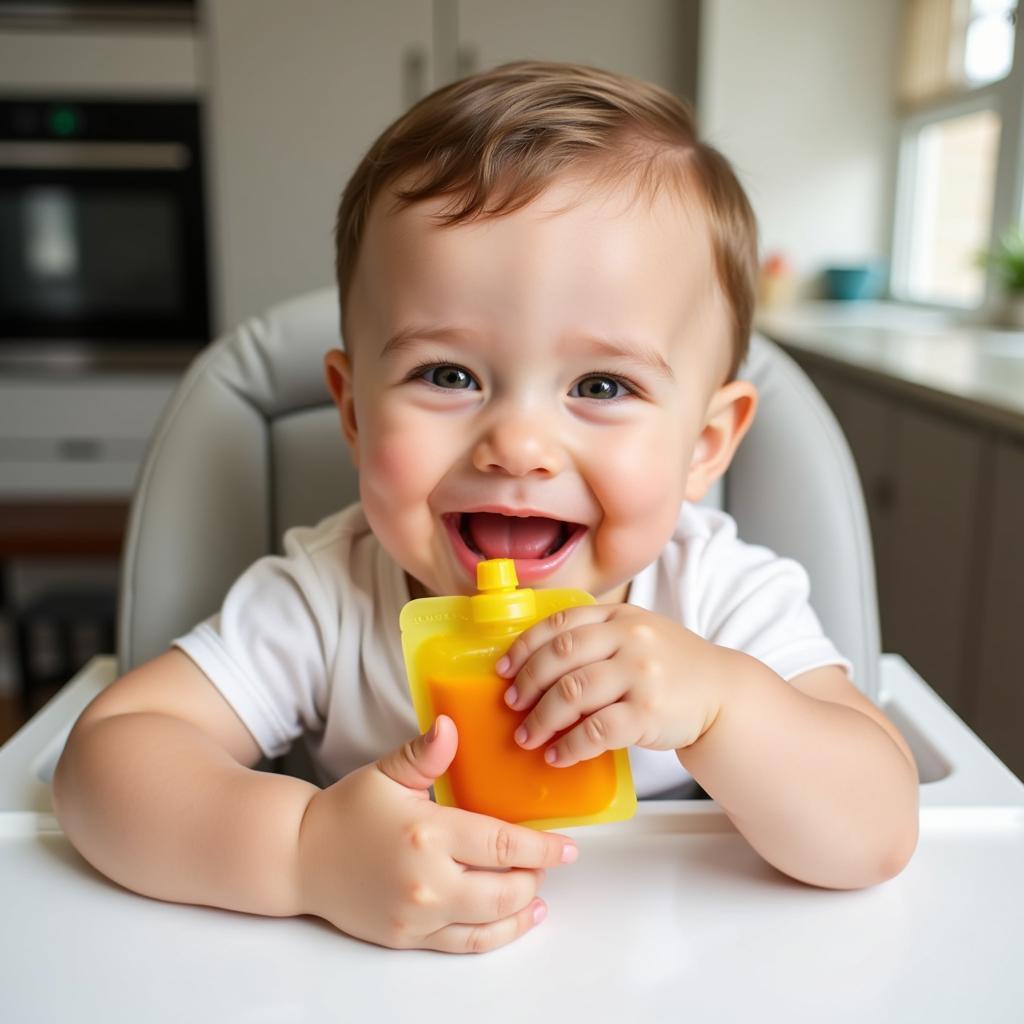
column 1006, row 98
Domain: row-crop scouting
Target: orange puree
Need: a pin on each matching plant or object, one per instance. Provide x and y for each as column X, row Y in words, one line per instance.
column 492, row 774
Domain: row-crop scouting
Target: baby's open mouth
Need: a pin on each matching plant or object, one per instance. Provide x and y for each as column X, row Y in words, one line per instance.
column 493, row 535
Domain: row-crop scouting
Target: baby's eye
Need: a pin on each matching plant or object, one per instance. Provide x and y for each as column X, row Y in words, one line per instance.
column 449, row 377
column 600, row 385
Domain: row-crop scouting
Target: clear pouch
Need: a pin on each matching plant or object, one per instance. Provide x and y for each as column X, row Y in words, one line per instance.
column 451, row 645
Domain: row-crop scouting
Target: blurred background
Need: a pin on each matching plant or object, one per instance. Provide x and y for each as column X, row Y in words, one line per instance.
column 169, row 168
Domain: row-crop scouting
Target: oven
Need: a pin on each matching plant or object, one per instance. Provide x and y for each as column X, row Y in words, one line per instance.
column 102, row 228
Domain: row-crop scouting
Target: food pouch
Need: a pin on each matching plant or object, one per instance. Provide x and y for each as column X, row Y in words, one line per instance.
column 451, row 645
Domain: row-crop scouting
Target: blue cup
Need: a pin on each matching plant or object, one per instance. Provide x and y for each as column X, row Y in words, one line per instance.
column 854, row 283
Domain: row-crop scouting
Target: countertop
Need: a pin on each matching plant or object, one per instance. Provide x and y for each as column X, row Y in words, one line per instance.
column 974, row 371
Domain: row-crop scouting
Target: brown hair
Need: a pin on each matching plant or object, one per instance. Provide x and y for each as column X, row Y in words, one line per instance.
column 505, row 134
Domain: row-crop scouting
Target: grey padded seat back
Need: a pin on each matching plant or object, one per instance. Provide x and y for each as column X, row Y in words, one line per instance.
column 250, row 445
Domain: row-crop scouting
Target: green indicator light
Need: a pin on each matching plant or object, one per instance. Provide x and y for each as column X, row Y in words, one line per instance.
column 63, row 121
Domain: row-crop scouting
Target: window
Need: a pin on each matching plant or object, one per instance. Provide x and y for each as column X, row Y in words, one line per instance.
column 960, row 97
column 988, row 40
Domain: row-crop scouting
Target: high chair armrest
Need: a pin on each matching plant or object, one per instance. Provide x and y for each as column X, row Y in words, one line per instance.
column 29, row 757
column 961, row 779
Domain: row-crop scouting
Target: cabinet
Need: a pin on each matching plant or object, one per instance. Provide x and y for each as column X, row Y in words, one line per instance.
column 937, row 469
column 651, row 39
column 81, row 438
column 297, row 92
column 922, row 479
column 945, row 500
column 70, row 58
column 999, row 679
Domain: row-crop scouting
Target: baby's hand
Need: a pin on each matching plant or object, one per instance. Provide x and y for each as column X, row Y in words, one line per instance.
column 381, row 862
column 633, row 677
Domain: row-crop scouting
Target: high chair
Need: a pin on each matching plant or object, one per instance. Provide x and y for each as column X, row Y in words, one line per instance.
column 671, row 912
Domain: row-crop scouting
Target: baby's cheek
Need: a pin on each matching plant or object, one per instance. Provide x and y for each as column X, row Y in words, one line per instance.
column 637, row 480
column 640, row 490
column 393, row 468
column 395, row 482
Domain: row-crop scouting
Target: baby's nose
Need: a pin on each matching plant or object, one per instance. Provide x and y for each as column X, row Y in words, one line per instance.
column 519, row 445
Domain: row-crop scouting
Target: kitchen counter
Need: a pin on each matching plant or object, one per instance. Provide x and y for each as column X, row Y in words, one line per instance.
column 971, row 371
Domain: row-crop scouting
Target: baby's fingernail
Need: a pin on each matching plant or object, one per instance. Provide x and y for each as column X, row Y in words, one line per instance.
column 551, row 755
column 511, row 696
column 539, row 912
column 502, row 667
column 521, row 734
column 569, row 853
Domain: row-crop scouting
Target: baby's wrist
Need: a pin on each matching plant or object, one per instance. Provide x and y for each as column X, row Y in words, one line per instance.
column 305, row 872
column 728, row 674
column 286, row 801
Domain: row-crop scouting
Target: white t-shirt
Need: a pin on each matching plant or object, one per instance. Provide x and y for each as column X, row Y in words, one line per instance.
column 307, row 643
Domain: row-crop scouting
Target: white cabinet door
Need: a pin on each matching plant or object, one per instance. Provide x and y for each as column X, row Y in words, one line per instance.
column 652, row 39
column 297, row 92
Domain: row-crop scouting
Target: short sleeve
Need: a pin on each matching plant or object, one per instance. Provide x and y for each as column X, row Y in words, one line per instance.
column 268, row 648
column 756, row 601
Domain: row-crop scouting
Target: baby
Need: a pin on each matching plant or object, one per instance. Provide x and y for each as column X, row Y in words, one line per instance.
column 546, row 283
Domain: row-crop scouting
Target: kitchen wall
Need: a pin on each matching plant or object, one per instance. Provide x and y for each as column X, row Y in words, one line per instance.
column 817, row 159
column 798, row 94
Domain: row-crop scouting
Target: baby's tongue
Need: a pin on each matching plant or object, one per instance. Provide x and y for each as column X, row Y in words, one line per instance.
column 499, row 536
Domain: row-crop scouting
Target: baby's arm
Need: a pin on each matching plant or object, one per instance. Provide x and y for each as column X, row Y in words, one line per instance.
column 154, row 790
column 816, row 778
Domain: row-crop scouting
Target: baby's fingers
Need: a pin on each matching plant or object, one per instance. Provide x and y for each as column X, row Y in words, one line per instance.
column 611, row 728
column 541, row 633
column 481, row 938
column 480, row 841
column 483, row 897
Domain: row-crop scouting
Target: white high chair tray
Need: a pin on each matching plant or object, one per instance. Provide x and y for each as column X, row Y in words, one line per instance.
column 671, row 916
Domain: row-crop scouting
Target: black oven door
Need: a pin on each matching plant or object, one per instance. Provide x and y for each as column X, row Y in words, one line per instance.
column 102, row 240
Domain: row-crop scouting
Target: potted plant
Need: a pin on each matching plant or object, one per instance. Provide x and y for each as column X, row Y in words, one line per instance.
column 1007, row 259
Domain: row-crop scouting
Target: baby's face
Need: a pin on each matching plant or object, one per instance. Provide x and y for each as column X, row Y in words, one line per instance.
column 536, row 386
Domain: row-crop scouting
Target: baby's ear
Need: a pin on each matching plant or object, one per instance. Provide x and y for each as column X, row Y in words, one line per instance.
column 338, row 374
column 729, row 416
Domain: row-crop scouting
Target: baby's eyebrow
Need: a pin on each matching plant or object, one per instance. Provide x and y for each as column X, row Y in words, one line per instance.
column 406, row 336
column 632, row 351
